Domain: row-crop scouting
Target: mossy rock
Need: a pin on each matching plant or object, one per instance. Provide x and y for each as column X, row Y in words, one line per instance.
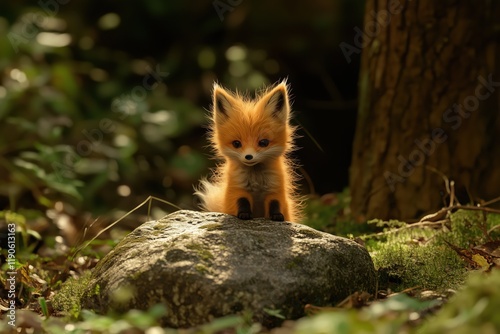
column 201, row 273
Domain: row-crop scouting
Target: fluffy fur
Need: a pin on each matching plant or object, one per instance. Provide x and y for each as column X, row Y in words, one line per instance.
column 252, row 138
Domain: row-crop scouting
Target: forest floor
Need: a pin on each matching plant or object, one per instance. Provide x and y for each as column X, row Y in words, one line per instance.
column 437, row 275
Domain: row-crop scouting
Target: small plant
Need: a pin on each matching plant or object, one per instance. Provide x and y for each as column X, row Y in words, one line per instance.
column 43, row 307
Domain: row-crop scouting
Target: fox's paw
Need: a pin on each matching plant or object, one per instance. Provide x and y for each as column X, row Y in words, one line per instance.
column 244, row 215
column 244, row 210
column 278, row 217
column 274, row 211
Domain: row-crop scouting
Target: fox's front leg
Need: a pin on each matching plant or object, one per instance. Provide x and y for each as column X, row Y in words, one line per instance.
column 276, row 207
column 239, row 202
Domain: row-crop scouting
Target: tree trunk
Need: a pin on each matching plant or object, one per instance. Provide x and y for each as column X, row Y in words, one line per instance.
column 429, row 96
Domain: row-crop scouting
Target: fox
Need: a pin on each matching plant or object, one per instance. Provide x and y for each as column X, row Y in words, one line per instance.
column 253, row 139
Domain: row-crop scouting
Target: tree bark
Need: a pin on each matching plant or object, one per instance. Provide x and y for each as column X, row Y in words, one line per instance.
column 428, row 107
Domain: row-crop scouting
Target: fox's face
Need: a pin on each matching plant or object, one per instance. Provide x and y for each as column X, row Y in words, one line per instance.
column 251, row 131
column 252, row 148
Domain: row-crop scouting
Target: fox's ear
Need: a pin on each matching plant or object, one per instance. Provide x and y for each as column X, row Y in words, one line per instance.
column 223, row 103
column 276, row 102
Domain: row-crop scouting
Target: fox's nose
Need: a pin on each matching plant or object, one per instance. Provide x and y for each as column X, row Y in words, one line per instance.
column 249, row 157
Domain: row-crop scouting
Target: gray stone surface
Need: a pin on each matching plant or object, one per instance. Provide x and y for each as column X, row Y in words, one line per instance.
column 203, row 265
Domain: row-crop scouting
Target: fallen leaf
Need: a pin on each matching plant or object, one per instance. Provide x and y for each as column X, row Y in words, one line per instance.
column 481, row 261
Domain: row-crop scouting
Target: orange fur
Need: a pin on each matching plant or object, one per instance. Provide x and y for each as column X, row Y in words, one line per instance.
column 253, row 139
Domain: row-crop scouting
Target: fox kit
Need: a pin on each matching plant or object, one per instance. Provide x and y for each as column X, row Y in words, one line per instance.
column 252, row 138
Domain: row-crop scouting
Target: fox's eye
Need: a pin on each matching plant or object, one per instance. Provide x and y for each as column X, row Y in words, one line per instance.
column 263, row 142
column 236, row 144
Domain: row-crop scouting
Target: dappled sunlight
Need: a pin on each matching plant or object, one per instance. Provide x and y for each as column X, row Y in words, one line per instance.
column 53, row 39
column 106, row 119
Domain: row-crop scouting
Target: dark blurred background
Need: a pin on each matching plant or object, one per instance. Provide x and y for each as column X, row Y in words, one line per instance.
column 103, row 103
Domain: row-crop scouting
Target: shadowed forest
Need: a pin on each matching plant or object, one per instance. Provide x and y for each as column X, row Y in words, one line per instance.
column 104, row 110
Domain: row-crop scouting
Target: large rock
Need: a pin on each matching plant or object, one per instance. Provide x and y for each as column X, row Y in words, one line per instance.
column 205, row 265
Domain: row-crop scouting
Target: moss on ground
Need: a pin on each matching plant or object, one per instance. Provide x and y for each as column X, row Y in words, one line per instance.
column 402, row 264
column 408, row 257
column 470, row 228
column 67, row 299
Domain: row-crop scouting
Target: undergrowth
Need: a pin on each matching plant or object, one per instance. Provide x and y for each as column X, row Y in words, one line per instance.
column 408, row 257
column 415, row 258
column 427, row 257
column 474, row 309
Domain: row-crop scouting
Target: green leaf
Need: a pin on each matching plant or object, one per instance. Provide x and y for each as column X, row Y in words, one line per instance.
column 35, row 169
column 274, row 313
column 43, row 307
column 70, row 187
column 222, row 323
column 399, row 303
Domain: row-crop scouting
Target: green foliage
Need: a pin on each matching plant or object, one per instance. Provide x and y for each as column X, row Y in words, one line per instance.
column 133, row 321
column 387, row 316
column 78, row 122
column 26, row 238
column 240, row 324
column 474, row 309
